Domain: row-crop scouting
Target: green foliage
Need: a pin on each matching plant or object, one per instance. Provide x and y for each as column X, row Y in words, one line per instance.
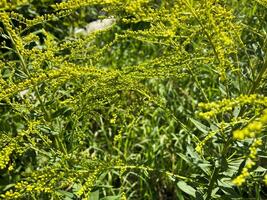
column 165, row 101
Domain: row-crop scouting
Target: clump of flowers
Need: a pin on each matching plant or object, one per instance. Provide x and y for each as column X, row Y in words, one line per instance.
column 200, row 145
column 212, row 109
column 239, row 180
column 265, row 179
column 252, row 129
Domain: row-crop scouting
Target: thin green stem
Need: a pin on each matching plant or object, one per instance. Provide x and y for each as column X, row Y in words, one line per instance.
column 151, row 169
column 204, row 30
column 212, row 181
column 217, row 169
column 262, row 71
column 257, row 191
column 198, row 84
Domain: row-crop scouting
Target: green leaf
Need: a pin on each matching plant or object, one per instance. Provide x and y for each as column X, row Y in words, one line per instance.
column 111, row 197
column 236, row 111
column 94, row 195
column 260, row 169
column 67, row 195
column 200, row 126
column 185, row 158
column 187, row 188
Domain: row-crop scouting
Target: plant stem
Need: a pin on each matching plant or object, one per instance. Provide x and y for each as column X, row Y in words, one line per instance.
column 259, row 77
column 257, row 82
column 203, row 29
column 212, row 182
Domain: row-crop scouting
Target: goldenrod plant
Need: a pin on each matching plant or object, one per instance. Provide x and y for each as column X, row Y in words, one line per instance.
column 140, row 99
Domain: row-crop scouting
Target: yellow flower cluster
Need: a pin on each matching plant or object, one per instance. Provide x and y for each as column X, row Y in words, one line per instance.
column 74, row 4
column 66, row 72
column 225, row 105
column 12, row 145
column 262, row 2
column 11, row 31
column 5, row 155
column 203, row 142
column 123, row 196
column 4, row 4
column 87, row 186
column 239, row 180
column 252, row 129
column 134, row 6
column 265, row 179
column 30, row 38
column 10, row 195
column 47, row 17
column 45, row 181
column 24, row 187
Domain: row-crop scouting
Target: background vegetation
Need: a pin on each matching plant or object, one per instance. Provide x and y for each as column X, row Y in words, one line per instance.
column 168, row 102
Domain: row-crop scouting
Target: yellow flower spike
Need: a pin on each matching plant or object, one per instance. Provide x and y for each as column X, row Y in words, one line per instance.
column 253, row 152
column 263, row 118
column 255, row 126
column 226, row 105
column 123, row 196
column 265, row 179
column 258, row 142
column 252, row 129
column 10, row 168
column 250, row 164
column 252, row 134
column 245, row 172
column 200, row 145
column 239, row 135
column 238, row 181
column 198, row 148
